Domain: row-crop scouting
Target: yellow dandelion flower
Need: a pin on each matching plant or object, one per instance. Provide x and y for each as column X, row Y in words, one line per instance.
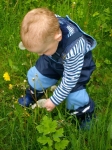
column 6, row 76
column 10, row 86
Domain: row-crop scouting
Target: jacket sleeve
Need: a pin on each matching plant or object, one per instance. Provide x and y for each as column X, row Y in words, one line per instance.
column 71, row 74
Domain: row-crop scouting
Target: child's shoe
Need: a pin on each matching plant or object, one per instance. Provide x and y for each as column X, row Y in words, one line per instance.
column 84, row 115
column 30, row 98
column 86, row 123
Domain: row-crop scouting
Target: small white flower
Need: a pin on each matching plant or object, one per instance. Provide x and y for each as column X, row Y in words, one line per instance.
column 74, row 3
column 25, row 81
column 21, row 46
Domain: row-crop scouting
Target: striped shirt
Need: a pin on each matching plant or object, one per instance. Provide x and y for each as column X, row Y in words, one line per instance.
column 72, row 69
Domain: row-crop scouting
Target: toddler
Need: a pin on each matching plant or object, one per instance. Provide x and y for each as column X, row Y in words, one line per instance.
column 65, row 53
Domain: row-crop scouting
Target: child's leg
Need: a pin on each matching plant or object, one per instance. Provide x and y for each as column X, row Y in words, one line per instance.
column 38, row 81
column 80, row 105
column 40, row 77
column 77, row 99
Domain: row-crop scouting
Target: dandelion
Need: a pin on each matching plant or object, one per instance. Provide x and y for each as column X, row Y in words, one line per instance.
column 21, row 46
column 6, row 76
column 10, row 86
column 73, row 4
column 25, row 81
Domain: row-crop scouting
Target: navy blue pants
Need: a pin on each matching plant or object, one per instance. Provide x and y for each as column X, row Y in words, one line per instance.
column 47, row 72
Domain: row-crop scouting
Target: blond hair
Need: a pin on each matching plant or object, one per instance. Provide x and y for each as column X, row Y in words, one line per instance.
column 38, row 26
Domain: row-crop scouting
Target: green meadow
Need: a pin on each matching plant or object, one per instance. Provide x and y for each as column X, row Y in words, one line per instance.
column 36, row 129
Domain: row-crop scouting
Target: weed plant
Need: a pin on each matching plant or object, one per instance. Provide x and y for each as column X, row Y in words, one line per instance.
column 27, row 129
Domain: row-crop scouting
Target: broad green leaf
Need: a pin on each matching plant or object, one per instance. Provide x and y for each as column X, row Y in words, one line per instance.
column 108, row 62
column 61, row 145
column 107, row 10
column 40, row 128
column 95, row 14
column 47, row 126
column 58, row 134
column 56, row 138
column 44, row 148
column 47, row 148
column 44, row 140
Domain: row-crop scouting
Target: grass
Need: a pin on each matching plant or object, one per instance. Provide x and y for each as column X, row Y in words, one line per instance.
column 18, row 126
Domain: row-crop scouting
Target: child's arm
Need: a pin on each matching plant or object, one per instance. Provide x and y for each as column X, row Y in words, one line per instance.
column 69, row 81
column 70, row 78
column 72, row 70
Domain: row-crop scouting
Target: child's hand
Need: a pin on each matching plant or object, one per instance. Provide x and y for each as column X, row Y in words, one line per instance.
column 49, row 105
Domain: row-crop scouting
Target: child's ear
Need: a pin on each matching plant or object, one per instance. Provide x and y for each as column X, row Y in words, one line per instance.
column 58, row 36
